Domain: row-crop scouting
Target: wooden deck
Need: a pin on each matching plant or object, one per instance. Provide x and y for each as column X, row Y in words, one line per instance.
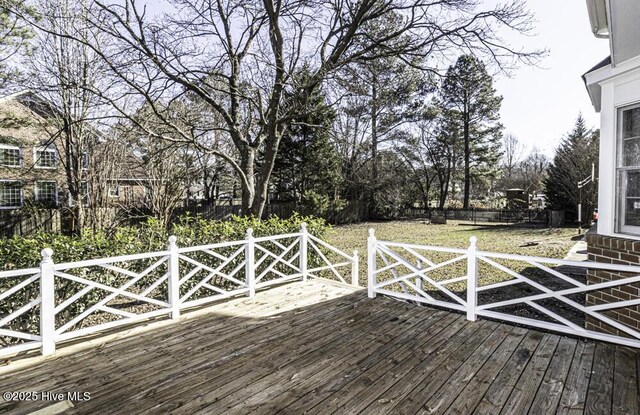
column 320, row 349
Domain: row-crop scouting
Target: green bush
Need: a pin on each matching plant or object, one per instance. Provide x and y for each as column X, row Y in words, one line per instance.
column 24, row 252
column 18, row 253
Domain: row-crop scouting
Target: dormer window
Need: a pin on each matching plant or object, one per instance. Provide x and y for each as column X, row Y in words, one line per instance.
column 10, row 156
column 45, row 157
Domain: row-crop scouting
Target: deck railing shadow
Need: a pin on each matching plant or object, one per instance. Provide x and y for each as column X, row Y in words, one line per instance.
column 54, row 303
column 546, row 293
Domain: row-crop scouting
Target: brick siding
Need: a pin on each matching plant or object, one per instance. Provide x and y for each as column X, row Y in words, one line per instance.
column 613, row 250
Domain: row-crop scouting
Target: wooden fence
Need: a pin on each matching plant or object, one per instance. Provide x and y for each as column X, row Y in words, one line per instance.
column 24, row 222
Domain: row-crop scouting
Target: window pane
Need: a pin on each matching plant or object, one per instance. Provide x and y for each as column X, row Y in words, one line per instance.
column 10, row 157
column 631, row 152
column 10, row 194
column 632, row 198
column 631, row 123
column 46, row 192
column 45, row 158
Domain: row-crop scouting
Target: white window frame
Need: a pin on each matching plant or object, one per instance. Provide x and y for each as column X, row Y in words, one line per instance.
column 85, row 160
column 21, row 194
column 36, row 197
column 12, row 147
column 84, row 192
column 115, row 194
column 620, row 175
column 36, row 159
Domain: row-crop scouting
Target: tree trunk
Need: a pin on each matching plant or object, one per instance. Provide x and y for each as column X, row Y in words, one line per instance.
column 467, row 158
column 247, row 160
column 261, row 183
column 374, row 146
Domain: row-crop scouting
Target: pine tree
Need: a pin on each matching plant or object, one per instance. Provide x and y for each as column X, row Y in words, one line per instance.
column 470, row 105
column 307, row 161
column 573, row 163
column 14, row 36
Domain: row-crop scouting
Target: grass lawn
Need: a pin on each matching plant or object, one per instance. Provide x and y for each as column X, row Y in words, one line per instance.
column 513, row 239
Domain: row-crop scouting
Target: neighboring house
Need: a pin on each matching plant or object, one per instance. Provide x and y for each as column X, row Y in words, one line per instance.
column 32, row 164
column 614, row 88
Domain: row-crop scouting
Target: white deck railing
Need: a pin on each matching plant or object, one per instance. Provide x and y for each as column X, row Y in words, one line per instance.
column 57, row 302
column 409, row 272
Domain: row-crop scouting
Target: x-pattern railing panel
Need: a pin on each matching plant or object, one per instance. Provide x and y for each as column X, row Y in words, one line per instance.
column 19, row 306
column 74, row 299
column 524, row 286
column 211, row 273
column 416, row 277
column 277, row 259
column 562, row 296
column 329, row 262
column 112, row 287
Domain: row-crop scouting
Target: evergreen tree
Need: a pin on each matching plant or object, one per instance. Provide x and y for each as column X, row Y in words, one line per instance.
column 14, row 35
column 470, row 105
column 307, row 162
column 572, row 163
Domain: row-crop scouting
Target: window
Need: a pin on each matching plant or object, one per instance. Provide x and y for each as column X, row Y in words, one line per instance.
column 628, row 170
column 85, row 160
column 84, row 193
column 45, row 157
column 10, row 156
column 114, row 190
column 10, row 194
column 46, row 192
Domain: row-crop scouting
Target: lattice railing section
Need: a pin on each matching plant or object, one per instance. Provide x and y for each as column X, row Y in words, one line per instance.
column 20, row 311
column 541, row 292
column 211, row 272
column 114, row 291
column 326, row 261
column 277, row 259
column 40, row 307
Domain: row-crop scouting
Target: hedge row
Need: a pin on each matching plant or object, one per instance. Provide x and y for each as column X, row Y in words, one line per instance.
column 24, row 252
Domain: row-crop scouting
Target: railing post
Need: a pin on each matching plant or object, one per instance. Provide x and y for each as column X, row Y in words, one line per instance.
column 249, row 255
column 371, row 263
column 47, row 305
column 304, row 243
column 419, row 277
column 354, row 269
column 472, row 279
column 174, row 278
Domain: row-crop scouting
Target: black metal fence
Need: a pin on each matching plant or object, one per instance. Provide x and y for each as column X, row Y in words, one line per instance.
column 483, row 215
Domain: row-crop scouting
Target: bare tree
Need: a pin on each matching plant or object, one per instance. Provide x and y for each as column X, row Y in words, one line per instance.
column 64, row 72
column 239, row 58
column 106, row 165
column 511, row 153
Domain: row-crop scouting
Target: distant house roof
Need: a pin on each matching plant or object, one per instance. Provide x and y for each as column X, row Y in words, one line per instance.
column 33, row 101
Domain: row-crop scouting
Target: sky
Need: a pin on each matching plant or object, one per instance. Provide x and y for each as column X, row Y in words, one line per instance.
column 540, row 104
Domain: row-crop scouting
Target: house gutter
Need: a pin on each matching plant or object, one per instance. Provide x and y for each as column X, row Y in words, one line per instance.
column 597, row 10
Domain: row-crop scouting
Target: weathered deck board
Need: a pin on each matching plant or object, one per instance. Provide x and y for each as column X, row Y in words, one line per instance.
column 324, row 349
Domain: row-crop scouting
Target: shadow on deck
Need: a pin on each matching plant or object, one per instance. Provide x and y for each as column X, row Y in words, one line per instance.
column 322, row 349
